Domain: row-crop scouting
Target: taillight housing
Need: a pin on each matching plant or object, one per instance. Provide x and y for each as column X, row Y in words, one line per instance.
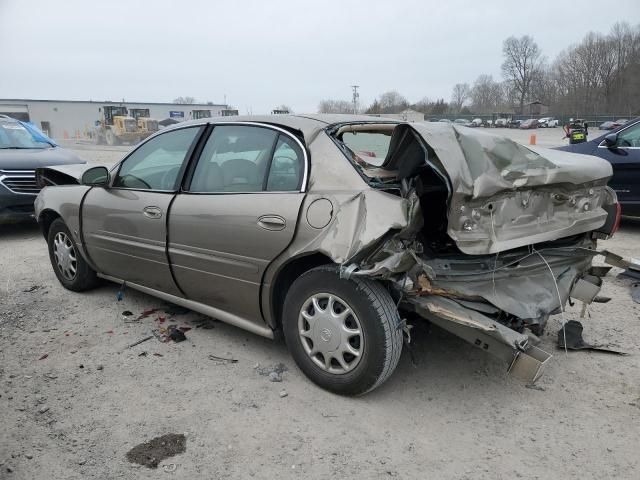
column 612, row 224
column 616, row 223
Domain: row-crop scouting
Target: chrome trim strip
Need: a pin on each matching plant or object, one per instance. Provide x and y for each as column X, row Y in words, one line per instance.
column 226, row 317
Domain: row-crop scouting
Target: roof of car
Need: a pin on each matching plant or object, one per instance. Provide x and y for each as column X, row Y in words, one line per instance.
column 308, row 124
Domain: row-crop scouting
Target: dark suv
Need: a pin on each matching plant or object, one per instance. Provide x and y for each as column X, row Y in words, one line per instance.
column 23, row 149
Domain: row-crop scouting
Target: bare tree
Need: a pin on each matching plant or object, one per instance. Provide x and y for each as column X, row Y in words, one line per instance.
column 335, row 106
column 486, row 94
column 184, row 100
column 522, row 60
column 459, row 96
column 392, row 102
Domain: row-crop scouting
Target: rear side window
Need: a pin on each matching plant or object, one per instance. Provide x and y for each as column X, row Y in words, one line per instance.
column 238, row 158
column 156, row 164
column 285, row 173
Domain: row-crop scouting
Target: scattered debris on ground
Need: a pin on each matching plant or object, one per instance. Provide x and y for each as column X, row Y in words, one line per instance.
column 632, row 273
column 572, row 330
column 32, row 288
column 274, row 372
column 222, row 360
column 142, row 340
column 176, row 334
column 151, row 453
column 635, row 292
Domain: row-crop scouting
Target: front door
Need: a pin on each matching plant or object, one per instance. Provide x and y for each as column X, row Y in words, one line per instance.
column 625, row 160
column 237, row 214
column 124, row 225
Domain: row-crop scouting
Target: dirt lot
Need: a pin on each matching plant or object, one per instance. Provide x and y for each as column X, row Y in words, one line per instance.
column 74, row 399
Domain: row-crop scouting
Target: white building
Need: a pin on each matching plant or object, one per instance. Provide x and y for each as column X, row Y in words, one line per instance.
column 76, row 118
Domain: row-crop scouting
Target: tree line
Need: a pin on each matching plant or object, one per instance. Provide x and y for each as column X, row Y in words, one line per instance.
column 599, row 75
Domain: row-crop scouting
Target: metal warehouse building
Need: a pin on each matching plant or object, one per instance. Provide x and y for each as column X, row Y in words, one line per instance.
column 76, row 118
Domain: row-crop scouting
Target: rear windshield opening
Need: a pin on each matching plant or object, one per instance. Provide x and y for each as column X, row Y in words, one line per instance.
column 394, row 158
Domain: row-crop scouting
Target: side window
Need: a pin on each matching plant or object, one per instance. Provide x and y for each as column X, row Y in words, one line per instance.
column 285, row 173
column 156, row 164
column 629, row 137
column 235, row 159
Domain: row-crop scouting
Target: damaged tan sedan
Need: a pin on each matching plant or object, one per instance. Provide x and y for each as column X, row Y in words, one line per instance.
column 337, row 230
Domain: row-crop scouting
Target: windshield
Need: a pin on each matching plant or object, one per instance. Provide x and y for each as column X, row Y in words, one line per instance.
column 15, row 135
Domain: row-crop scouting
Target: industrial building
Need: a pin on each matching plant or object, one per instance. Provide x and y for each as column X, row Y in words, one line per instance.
column 62, row 119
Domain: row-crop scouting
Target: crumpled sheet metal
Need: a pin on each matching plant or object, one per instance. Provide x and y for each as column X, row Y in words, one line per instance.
column 359, row 221
column 480, row 164
column 527, row 291
column 451, row 316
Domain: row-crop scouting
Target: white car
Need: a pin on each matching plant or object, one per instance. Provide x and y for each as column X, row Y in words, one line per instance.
column 501, row 122
column 547, row 122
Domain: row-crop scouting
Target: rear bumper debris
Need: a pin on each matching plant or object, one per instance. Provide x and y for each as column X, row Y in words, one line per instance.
column 525, row 361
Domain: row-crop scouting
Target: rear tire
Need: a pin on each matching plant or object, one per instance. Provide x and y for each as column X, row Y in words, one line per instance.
column 322, row 336
column 73, row 272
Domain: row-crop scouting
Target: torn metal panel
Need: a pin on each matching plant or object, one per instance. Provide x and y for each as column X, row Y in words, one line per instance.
column 504, row 195
column 519, row 283
column 60, row 175
column 524, row 360
column 480, row 164
column 358, row 222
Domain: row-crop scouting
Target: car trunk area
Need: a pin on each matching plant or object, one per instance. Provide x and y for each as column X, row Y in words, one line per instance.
column 498, row 236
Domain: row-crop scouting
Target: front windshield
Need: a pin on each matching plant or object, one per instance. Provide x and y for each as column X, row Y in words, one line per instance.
column 14, row 135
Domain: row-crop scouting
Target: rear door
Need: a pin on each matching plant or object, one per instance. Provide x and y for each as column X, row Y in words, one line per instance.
column 124, row 225
column 238, row 213
column 625, row 159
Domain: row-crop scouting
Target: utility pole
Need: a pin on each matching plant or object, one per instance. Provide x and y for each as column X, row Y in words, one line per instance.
column 356, row 96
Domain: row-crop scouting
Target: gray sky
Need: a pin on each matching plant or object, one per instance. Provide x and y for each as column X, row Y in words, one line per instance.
column 264, row 53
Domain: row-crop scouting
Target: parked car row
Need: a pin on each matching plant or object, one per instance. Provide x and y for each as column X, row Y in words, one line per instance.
column 610, row 125
column 545, row 122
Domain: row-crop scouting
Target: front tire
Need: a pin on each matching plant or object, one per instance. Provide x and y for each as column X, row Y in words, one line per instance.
column 344, row 335
column 73, row 272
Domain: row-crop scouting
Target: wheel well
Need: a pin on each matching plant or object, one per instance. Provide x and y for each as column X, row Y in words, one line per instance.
column 287, row 275
column 45, row 220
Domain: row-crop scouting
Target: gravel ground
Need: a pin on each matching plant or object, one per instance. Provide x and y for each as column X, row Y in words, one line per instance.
column 74, row 399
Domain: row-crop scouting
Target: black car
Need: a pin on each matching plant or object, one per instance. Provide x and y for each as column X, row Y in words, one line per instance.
column 621, row 148
column 22, row 150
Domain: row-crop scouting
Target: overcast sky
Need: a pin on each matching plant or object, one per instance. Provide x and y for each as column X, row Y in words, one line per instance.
column 261, row 54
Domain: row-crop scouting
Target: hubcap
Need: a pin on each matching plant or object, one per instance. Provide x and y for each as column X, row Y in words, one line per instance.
column 330, row 333
column 65, row 256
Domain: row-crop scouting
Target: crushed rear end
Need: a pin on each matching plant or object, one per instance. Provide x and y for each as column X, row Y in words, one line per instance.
column 495, row 238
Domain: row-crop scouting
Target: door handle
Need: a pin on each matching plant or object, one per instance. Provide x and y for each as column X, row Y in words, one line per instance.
column 272, row 222
column 152, row 212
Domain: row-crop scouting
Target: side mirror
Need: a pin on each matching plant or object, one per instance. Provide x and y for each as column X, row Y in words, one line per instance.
column 610, row 140
column 95, row 177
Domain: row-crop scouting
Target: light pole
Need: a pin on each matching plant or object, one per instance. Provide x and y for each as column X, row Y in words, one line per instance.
column 356, row 96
